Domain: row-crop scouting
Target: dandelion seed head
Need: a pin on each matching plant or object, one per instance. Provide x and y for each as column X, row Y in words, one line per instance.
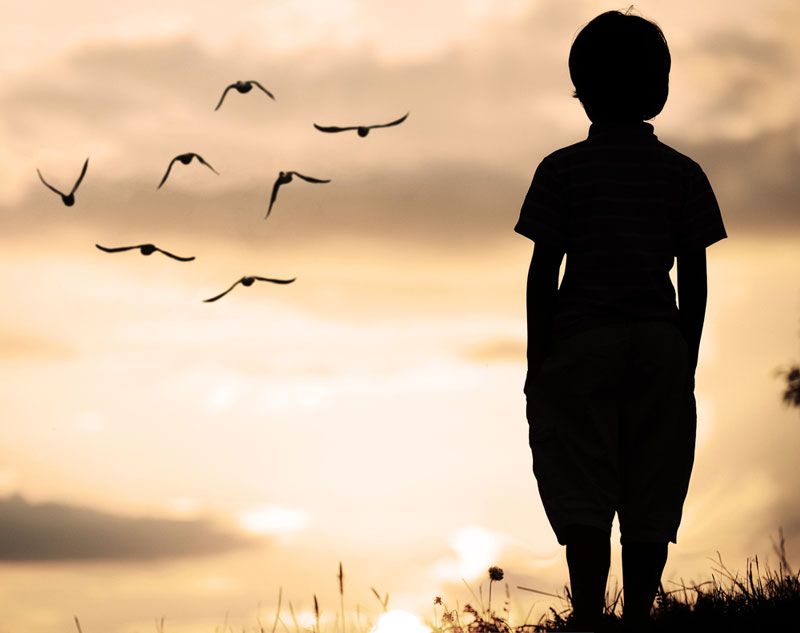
column 495, row 573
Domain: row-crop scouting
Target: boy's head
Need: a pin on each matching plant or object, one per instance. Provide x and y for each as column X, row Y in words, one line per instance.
column 619, row 64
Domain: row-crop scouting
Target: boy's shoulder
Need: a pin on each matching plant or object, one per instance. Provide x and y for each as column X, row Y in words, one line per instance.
column 679, row 158
column 564, row 156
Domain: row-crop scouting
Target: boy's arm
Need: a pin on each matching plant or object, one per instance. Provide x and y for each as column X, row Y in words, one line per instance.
column 541, row 299
column 692, row 294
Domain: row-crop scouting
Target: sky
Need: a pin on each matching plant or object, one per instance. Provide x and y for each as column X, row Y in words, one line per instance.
column 162, row 456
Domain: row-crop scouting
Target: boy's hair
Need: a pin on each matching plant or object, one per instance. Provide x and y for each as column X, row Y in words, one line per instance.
column 619, row 64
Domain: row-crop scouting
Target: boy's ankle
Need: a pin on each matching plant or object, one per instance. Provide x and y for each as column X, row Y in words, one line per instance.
column 585, row 623
column 636, row 623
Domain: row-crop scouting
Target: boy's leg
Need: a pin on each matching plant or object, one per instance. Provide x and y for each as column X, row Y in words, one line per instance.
column 642, row 566
column 588, row 559
column 657, row 440
column 573, row 416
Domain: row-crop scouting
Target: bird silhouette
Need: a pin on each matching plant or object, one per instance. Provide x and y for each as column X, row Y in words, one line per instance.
column 285, row 177
column 363, row 130
column 67, row 198
column 243, row 87
column 145, row 249
column 248, row 281
column 185, row 159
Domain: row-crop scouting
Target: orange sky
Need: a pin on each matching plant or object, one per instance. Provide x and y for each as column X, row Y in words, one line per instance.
column 186, row 459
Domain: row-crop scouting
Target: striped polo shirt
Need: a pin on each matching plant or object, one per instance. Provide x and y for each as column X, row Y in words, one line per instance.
column 622, row 205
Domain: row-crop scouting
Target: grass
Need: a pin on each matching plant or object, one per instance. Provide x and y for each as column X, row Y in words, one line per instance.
column 757, row 601
column 753, row 603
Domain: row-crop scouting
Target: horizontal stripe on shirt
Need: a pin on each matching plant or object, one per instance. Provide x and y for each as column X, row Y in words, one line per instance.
column 622, row 205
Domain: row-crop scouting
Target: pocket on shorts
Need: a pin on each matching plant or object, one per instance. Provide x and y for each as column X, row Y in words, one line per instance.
column 684, row 345
column 532, row 378
column 541, row 422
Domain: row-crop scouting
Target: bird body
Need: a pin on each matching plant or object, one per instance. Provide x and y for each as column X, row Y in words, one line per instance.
column 284, row 178
column 185, row 159
column 248, row 281
column 67, row 198
column 144, row 249
column 243, row 87
column 361, row 130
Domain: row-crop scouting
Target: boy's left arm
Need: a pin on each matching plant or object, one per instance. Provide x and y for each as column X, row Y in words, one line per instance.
column 542, row 302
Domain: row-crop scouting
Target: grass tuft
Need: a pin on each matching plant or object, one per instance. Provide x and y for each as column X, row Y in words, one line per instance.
column 753, row 602
column 757, row 601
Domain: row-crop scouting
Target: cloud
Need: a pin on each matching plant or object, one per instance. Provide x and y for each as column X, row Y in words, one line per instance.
column 16, row 345
column 740, row 47
column 46, row 532
column 498, row 350
column 483, row 113
column 161, row 98
column 755, row 180
column 448, row 205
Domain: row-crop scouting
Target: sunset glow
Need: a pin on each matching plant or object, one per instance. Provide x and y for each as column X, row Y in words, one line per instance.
column 165, row 456
column 399, row 621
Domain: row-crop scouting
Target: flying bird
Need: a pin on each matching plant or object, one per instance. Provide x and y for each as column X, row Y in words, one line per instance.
column 67, row 198
column 248, row 281
column 243, row 87
column 185, row 159
column 285, row 177
column 363, row 130
column 145, row 249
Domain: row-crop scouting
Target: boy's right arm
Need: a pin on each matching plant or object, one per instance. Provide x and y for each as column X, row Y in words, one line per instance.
column 692, row 295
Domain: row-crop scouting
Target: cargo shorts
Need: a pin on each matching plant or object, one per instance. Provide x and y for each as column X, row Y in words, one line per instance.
column 612, row 422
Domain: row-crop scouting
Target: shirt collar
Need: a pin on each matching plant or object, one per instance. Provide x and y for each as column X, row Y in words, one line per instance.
column 634, row 129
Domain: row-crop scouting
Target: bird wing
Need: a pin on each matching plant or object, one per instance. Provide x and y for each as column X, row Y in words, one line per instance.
column 276, row 281
column 308, row 178
column 202, row 160
column 333, row 128
column 47, row 184
column 115, row 249
column 258, row 85
column 83, row 173
column 222, row 294
column 169, row 168
column 168, row 254
column 222, row 98
column 274, row 195
column 397, row 122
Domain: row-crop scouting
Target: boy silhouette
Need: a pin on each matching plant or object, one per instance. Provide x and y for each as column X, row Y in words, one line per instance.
column 611, row 360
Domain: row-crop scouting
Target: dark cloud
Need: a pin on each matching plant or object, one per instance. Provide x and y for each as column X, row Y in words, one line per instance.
column 453, row 205
column 469, row 108
column 755, row 180
column 446, row 205
column 109, row 80
column 741, row 95
column 139, row 95
column 728, row 46
column 46, row 532
column 751, row 76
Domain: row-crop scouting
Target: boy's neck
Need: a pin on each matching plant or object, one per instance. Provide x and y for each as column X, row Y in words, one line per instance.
column 620, row 127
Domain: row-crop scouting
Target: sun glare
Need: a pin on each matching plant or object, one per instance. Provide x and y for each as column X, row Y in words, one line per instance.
column 476, row 549
column 399, row 621
column 274, row 520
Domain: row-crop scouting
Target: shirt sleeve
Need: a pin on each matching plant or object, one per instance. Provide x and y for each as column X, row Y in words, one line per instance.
column 542, row 217
column 700, row 223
